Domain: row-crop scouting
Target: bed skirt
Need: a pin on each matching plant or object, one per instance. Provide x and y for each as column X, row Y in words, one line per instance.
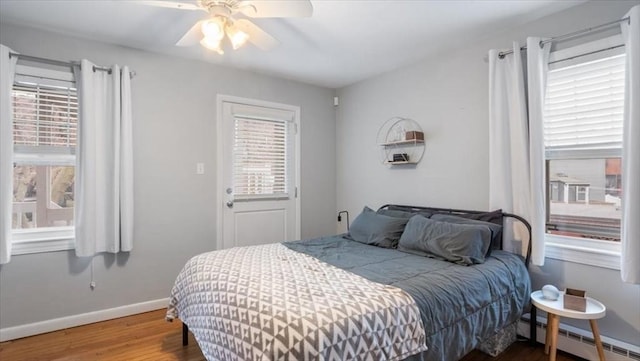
column 499, row 342
column 493, row 345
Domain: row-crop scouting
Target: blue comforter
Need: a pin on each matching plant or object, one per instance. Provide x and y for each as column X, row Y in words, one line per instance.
column 460, row 305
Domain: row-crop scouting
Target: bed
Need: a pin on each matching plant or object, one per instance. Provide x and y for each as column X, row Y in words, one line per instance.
column 406, row 283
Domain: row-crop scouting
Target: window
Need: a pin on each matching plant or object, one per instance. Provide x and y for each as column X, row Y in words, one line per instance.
column 583, row 145
column 45, row 118
column 260, row 158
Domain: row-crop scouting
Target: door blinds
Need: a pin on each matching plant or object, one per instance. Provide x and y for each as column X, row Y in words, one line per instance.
column 261, row 158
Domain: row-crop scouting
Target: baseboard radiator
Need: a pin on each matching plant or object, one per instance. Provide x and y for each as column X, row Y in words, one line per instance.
column 580, row 342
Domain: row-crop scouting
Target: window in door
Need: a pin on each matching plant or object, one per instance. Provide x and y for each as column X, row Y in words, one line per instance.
column 260, row 158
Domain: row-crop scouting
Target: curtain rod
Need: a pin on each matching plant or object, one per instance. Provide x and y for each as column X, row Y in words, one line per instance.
column 570, row 35
column 69, row 64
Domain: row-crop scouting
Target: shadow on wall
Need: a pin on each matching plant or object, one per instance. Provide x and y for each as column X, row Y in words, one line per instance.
column 78, row 265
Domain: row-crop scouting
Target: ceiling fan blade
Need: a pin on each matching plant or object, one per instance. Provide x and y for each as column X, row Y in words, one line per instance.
column 192, row 37
column 276, row 8
column 257, row 36
column 171, row 4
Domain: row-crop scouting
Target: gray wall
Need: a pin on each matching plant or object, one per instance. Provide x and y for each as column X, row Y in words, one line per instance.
column 174, row 103
column 174, row 109
column 448, row 96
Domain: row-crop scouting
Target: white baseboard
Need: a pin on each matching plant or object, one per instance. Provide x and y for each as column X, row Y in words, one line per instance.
column 579, row 342
column 30, row 329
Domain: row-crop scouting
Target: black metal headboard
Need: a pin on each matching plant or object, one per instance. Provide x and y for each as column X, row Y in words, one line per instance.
column 417, row 209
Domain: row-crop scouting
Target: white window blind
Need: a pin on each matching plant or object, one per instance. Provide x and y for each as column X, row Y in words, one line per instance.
column 584, row 106
column 260, row 158
column 45, row 117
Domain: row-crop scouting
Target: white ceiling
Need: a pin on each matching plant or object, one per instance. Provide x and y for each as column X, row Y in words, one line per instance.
column 345, row 41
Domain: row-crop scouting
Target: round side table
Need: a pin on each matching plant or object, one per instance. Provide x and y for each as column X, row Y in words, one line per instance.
column 555, row 310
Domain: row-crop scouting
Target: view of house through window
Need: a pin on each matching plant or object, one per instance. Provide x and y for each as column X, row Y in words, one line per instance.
column 583, row 142
column 44, row 134
column 585, row 198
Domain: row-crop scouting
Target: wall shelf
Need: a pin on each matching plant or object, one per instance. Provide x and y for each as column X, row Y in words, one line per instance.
column 401, row 139
column 399, row 162
column 402, row 142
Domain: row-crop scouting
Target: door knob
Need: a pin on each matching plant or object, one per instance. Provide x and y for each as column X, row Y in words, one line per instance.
column 230, row 204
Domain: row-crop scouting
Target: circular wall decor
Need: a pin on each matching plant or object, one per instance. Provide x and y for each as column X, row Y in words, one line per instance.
column 401, row 141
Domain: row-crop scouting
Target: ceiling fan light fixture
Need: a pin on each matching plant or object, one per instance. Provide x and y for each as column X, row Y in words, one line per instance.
column 236, row 36
column 211, row 31
column 212, row 44
column 213, row 28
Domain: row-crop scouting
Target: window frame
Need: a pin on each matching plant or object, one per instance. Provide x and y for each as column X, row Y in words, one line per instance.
column 593, row 252
column 44, row 239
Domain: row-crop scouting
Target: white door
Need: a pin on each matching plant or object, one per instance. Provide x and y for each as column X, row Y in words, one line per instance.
column 257, row 154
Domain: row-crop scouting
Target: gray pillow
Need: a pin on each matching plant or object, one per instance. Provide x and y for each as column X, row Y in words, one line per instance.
column 493, row 216
column 496, row 230
column 459, row 243
column 395, row 213
column 400, row 212
column 377, row 229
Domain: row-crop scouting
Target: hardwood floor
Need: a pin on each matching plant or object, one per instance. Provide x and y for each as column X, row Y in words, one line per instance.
column 148, row 337
column 521, row 351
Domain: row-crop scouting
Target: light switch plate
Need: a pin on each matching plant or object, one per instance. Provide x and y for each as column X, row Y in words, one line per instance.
column 199, row 168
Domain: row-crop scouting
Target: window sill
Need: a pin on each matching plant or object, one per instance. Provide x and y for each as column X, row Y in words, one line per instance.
column 27, row 241
column 605, row 254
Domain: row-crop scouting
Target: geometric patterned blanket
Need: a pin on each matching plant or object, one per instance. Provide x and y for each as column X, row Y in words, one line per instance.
column 271, row 303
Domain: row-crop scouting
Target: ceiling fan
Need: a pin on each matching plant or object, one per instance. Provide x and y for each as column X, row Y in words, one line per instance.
column 211, row 31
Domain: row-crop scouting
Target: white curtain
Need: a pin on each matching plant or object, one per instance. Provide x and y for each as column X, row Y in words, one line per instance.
column 515, row 133
column 7, row 74
column 630, row 237
column 104, row 176
column 507, row 113
column 537, row 69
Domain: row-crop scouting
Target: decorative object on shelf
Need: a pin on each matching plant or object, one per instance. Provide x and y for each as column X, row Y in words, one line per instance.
column 401, row 141
column 400, row 157
column 575, row 300
column 550, row 292
column 414, row 134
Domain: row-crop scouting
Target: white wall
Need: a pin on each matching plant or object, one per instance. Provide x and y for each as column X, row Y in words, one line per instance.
column 174, row 109
column 448, row 96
